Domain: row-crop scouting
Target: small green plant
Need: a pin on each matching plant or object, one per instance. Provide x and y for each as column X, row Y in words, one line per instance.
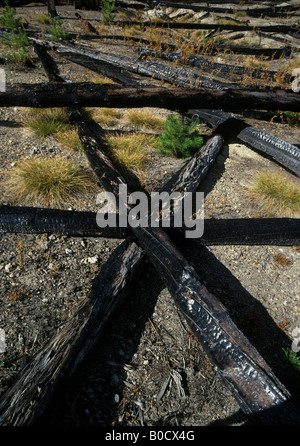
column 8, row 19
column 293, row 119
column 293, row 358
column 180, row 138
column 14, row 43
column 107, row 8
column 56, row 30
column 15, row 47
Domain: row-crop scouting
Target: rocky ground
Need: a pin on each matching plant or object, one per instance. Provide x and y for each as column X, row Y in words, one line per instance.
column 148, row 368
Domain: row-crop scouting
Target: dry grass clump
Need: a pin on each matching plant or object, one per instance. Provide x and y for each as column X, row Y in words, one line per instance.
column 47, row 121
column 276, row 194
column 130, row 152
column 105, row 115
column 144, row 119
column 48, row 181
column 70, row 140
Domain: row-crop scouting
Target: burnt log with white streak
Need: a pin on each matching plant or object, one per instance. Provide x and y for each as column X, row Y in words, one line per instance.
column 242, row 369
column 240, row 231
column 288, row 155
column 61, row 94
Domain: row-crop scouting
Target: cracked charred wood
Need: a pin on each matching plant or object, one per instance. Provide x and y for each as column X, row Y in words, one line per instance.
column 243, row 370
column 215, row 68
column 30, row 398
column 274, row 11
column 61, row 94
column 284, row 29
column 96, row 60
column 279, row 150
column 260, row 231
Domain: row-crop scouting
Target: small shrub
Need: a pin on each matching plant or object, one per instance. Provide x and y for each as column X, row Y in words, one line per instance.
column 293, row 358
column 14, row 49
column 56, row 30
column 50, row 181
column 180, row 138
column 107, row 8
column 8, row 20
column 293, row 119
column 15, row 42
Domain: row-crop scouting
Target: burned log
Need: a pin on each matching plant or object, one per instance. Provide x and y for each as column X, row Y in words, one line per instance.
column 241, row 367
column 99, row 61
column 46, row 95
column 215, row 68
column 240, row 231
column 30, row 398
column 27, row 402
column 284, row 29
column 279, row 150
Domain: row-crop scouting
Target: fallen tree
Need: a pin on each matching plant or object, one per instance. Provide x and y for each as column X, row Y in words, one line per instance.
column 230, row 126
column 215, row 68
column 240, row 231
column 46, row 95
column 284, row 29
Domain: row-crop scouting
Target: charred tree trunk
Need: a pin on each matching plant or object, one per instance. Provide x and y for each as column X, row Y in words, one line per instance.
column 260, row 231
column 280, row 151
column 52, row 9
column 180, row 25
column 27, row 402
column 214, row 68
column 173, row 98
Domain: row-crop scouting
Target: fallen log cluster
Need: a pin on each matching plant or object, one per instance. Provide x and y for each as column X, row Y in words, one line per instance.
column 239, row 364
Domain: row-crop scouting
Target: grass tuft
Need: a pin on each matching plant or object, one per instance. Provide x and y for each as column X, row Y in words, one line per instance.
column 276, row 193
column 105, row 115
column 145, row 119
column 49, row 181
column 48, row 121
column 130, row 152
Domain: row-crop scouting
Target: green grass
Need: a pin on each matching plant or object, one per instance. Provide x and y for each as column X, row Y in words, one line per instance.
column 48, row 121
column 48, row 181
column 277, row 194
column 293, row 358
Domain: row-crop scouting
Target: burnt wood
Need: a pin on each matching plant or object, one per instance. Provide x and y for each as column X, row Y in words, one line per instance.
column 239, row 364
column 240, row 231
column 46, row 95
